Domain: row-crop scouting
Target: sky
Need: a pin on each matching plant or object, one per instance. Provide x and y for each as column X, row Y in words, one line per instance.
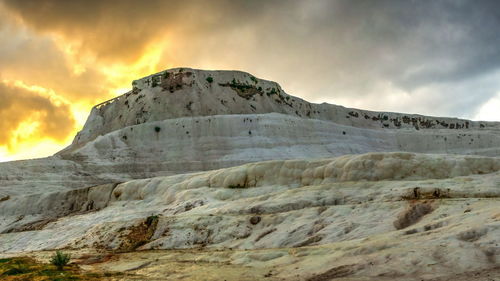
column 58, row 58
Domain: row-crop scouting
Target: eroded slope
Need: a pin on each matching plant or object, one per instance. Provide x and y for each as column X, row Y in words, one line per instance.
column 387, row 214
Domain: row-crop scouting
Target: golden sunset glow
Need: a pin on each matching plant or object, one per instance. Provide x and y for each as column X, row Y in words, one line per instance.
column 59, row 58
column 122, row 75
column 26, row 139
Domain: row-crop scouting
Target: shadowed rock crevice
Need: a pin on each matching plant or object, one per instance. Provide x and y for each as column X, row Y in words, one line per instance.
column 137, row 235
column 413, row 214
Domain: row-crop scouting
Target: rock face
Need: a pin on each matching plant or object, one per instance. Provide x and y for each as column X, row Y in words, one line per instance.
column 266, row 111
column 177, row 164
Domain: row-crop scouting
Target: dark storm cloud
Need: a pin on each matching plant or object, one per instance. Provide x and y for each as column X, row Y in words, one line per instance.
column 321, row 50
column 122, row 29
column 442, row 41
column 19, row 105
column 345, row 49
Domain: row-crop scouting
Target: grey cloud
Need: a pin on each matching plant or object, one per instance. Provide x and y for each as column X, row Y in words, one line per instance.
column 318, row 49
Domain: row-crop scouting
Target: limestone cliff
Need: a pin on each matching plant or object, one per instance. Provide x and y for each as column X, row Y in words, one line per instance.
column 184, row 92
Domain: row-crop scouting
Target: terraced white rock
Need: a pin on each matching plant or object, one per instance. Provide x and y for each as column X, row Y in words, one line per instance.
column 439, row 208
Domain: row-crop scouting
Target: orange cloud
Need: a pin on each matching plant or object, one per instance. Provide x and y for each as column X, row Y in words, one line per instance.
column 25, row 115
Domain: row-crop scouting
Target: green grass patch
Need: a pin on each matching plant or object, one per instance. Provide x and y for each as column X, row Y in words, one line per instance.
column 23, row 268
column 16, row 271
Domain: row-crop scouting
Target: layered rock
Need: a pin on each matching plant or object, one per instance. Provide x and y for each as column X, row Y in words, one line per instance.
column 179, row 93
column 417, row 209
column 184, row 92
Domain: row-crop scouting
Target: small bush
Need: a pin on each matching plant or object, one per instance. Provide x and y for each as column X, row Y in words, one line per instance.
column 272, row 92
column 60, row 260
column 151, row 219
column 210, row 79
column 157, row 129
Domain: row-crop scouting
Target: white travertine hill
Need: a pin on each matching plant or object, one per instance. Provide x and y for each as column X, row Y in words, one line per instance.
column 184, row 92
column 180, row 164
column 177, row 121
